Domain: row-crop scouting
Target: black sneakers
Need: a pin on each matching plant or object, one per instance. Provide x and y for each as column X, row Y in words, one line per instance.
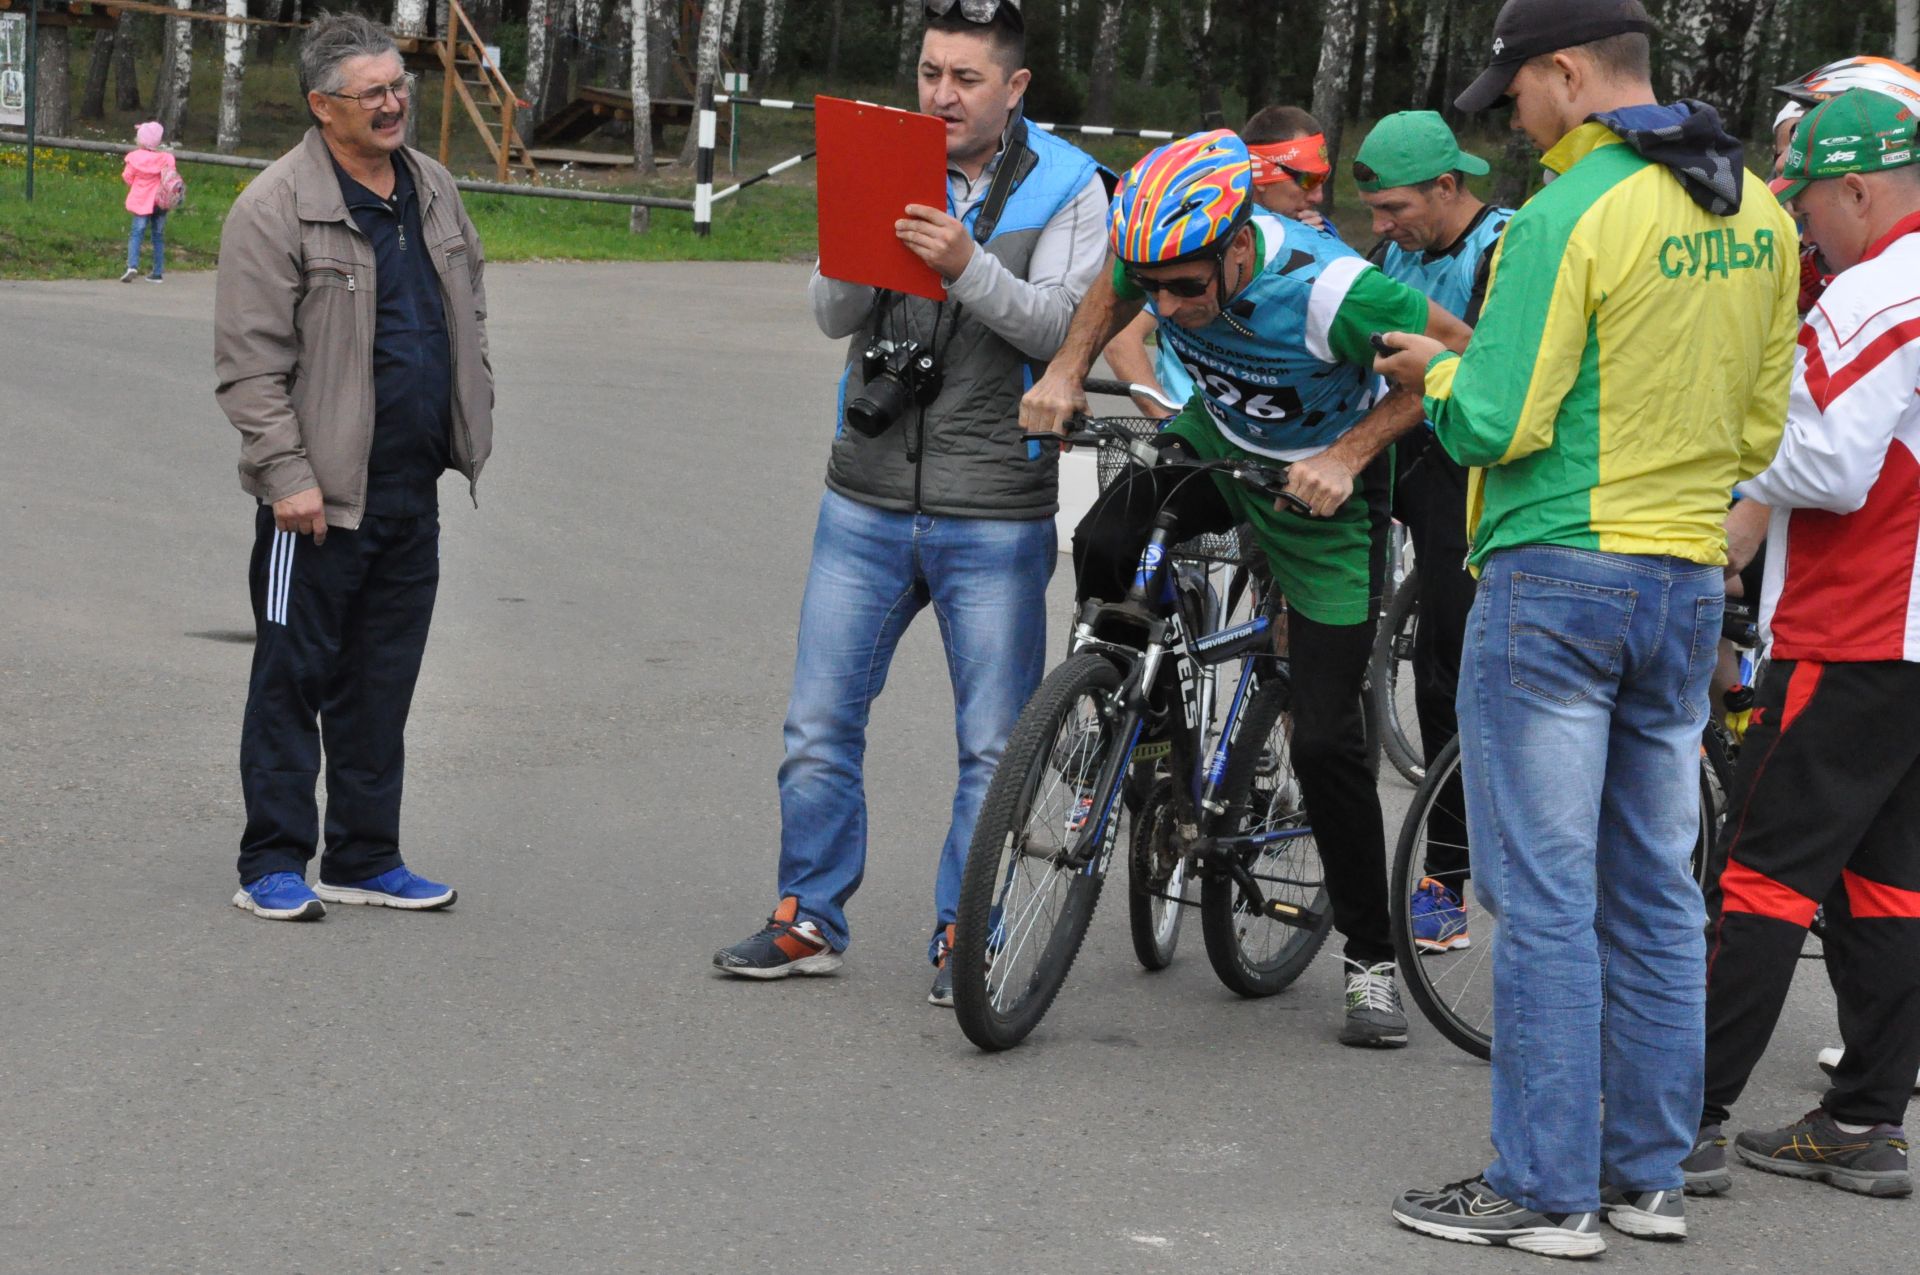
column 1814, row 1147
column 1706, row 1165
column 1472, row 1212
column 785, row 947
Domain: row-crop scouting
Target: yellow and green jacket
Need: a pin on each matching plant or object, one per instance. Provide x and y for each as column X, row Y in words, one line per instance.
column 1631, row 363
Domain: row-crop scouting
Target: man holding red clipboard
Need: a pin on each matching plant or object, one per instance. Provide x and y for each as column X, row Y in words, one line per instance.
column 932, row 498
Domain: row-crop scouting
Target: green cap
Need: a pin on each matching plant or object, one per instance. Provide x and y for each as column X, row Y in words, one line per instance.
column 1860, row 131
column 1408, row 148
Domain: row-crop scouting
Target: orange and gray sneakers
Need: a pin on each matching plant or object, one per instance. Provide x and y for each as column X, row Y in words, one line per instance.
column 942, row 993
column 784, row 947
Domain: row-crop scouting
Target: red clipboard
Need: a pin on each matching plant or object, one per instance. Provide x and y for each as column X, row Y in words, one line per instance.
column 873, row 162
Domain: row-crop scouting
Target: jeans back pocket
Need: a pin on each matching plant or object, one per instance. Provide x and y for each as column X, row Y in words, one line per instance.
column 1564, row 636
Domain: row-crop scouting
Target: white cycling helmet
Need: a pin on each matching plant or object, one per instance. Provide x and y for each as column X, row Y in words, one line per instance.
column 1882, row 75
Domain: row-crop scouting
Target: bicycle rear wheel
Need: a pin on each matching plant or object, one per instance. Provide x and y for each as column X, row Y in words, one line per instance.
column 1024, row 908
column 1454, row 987
column 1390, row 692
column 1157, row 880
column 1252, row 953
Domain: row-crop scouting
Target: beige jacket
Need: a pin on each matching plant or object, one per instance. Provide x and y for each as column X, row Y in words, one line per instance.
column 294, row 321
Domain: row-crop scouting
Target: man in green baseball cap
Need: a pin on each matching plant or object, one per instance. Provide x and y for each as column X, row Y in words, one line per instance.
column 1851, row 172
column 1437, row 237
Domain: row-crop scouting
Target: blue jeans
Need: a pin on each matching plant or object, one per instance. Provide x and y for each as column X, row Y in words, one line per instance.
column 141, row 223
column 873, row 570
column 1583, row 695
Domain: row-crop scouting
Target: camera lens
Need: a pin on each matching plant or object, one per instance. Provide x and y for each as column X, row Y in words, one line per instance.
column 879, row 406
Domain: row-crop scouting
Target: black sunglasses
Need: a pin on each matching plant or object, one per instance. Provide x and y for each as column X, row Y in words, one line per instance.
column 1178, row 287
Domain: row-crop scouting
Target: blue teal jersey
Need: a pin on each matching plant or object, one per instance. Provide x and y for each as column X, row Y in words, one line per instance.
column 1288, row 368
column 1456, row 277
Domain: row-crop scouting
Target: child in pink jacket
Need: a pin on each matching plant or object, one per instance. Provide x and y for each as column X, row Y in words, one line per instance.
column 144, row 171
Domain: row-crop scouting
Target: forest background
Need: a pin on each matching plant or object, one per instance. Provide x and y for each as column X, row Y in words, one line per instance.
column 1173, row 65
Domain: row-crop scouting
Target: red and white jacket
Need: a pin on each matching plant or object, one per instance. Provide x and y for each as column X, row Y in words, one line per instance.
column 1843, row 548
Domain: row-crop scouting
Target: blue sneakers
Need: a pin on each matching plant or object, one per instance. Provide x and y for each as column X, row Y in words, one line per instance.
column 1439, row 919
column 398, row 888
column 280, row 896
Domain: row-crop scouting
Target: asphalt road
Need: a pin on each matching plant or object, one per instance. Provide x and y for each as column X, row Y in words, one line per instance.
column 549, row 1078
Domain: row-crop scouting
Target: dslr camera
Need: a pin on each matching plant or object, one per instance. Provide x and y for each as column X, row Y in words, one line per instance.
column 898, row 375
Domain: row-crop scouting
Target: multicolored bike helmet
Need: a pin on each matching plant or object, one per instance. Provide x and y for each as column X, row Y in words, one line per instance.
column 1882, row 75
column 1184, row 200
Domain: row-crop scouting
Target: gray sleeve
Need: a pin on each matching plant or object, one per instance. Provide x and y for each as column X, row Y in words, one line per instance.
column 1033, row 314
column 840, row 308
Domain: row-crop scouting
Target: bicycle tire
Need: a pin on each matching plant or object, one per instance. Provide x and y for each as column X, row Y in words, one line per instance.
column 1390, row 696
column 1153, row 913
column 1071, row 698
column 1242, row 946
column 1466, row 970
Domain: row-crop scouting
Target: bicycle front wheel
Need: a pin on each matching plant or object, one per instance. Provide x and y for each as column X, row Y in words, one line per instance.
column 1026, row 897
column 1255, row 954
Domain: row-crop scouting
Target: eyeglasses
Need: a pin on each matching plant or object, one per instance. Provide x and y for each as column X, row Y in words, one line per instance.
column 1188, row 288
column 374, row 98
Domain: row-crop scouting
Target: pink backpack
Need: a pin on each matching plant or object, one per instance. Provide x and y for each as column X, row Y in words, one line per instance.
column 171, row 192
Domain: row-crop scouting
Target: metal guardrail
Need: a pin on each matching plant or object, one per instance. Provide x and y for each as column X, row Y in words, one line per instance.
column 476, row 187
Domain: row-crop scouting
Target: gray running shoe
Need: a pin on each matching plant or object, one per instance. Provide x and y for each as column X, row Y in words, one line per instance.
column 1374, row 1017
column 1474, row 1213
column 1706, row 1165
column 1870, row 1163
column 1645, row 1215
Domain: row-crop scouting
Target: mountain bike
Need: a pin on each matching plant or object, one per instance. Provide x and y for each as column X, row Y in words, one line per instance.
column 1454, row 987
column 1205, row 777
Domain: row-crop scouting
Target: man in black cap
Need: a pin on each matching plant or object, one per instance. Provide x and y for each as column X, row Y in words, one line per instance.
column 1630, row 365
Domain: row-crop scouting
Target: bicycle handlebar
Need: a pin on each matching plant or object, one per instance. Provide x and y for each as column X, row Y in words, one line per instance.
column 1269, row 478
column 1130, row 389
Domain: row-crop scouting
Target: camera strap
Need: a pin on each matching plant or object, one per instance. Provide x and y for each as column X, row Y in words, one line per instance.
column 1005, row 178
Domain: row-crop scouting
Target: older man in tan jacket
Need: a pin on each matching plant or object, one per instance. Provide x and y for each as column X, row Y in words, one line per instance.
column 351, row 347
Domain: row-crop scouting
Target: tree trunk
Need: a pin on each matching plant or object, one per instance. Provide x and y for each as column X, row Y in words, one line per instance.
column 912, row 15
column 1334, row 79
column 1196, row 33
column 772, row 14
column 1370, row 60
column 177, row 78
column 1685, row 34
column 1714, row 45
column 409, row 17
column 533, row 89
column 833, row 39
column 640, row 83
column 270, row 37
column 1432, row 39
column 53, row 100
column 1906, row 31
column 706, row 66
column 1106, row 48
column 1261, row 20
column 233, row 70
column 126, row 83
column 93, row 96
column 1150, row 61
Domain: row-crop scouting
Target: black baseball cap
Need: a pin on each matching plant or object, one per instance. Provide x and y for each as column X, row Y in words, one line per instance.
column 1527, row 28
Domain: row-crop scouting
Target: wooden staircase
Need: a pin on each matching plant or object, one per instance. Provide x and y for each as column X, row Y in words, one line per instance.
column 480, row 87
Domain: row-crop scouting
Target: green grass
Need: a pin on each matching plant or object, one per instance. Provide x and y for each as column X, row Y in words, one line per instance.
column 76, row 226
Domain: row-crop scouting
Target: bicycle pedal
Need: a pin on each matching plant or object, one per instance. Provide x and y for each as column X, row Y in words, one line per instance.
column 1287, row 914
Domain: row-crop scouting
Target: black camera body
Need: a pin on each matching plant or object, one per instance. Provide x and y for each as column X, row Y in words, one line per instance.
column 898, row 375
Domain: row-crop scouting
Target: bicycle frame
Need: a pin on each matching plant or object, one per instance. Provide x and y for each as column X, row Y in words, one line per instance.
column 1152, row 609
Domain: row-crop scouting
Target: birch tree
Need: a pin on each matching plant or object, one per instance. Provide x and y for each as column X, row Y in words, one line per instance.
column 1333, row 80
column 1433, row 34
column 640, row 84
column 1906, row 31
column 533, row 89
column 1196, row 34
column 1370, row 60
column 233, row 69
column 912, row 17
column 772, row 14
column 706, row 66
column 93, row 96
column 53, row 96
column 1106, row 49
column 1150, row 60
column 409, row 17
column 177, row 52
column 1684, row 35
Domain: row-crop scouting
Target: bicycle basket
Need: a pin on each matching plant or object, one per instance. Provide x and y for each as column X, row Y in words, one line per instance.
column 1232, row 547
